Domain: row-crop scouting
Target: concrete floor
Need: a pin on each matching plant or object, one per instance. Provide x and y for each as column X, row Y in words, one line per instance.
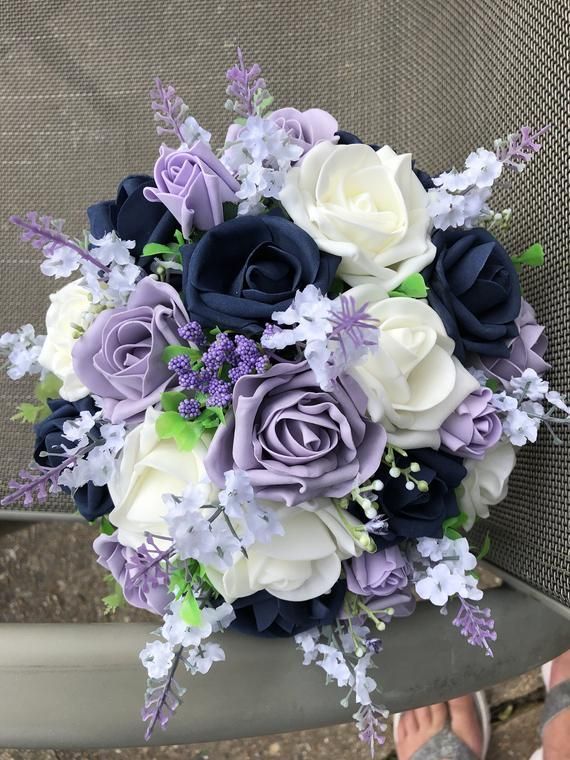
column 48, row 574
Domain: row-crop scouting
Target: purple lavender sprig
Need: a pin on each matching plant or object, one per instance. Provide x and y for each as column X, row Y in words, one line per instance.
column 43, row 232
column 519, row 148
column 162, row 698
column 371, row 724
column 247, row 89
column 143, row 567
column 170, row 110
column 476, row 625
column 353, row 328
column 35, row 484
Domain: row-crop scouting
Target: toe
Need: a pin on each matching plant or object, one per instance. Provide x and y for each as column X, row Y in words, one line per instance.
column 439, row 715
column 423, row 716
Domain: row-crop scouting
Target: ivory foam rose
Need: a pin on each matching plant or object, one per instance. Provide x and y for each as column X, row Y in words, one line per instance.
column 66, row 312
column 148, row 468
column 487, row 481
column 366, row 206
column 413, row 382
column 301, row 564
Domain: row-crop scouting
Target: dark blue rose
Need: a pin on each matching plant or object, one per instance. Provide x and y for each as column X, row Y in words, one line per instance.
column 413, row 514
column 91, row 501
column 243, row 270
column 347, row 138
column 474, row 288
column 132, row 216
column 262, row 614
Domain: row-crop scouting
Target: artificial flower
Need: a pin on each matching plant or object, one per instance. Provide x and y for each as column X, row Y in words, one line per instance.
column 378, row 575
column 295, row 441
column 413, row 382
column 305, row 129
column 487, row 482
column 133, row 217
column 147, row 469
column 366, row 206
column 474, row 287
column 473, row 427
column 526, row 350
column 301, row 564
column 67, row 313
column 92, row 501
column 242, row 271
column 193, row 185
column 119, row 358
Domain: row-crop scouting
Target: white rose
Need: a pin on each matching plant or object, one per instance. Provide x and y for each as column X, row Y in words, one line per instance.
column 413, row 382
column 363, row 205
column 487, row 481
column 147, row 469
column 301, row 564
column 69, row 307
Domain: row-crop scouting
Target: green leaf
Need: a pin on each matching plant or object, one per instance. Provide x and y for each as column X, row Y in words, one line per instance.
column 212, row 417
column 34, row 413
column 179, row 237
column 48, row 388
column 170, row 400
column 484, row 550
column 452, row 525
column 27, row 413
column 115, row 599
column 493, row 384
column 185, row 433
column 106, row 526
column 414, row 286
column 171, row 351
column 265, row 104
column 190, row 611
column 532, row 257
column 337, row 287
column 178, row 583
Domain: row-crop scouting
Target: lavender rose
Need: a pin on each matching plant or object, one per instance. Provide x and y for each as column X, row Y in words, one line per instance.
column 525, row 351
column 305, row 128
column 119, row 356
column 379, row 574
column 295, row 441
column 473, row 427
column 193, row 184
column 115, row 557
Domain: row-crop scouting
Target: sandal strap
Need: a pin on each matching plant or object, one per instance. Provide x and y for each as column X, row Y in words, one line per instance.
column 446, row 745
column 556, row 700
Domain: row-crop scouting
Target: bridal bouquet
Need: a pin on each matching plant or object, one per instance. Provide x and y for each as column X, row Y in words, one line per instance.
column 283, row 382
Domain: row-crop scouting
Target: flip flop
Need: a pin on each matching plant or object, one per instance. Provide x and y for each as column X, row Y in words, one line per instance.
column 447, row 744
column 557, row 700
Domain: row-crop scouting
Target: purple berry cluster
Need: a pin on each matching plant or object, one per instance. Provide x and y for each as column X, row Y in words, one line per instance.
column 221, row 365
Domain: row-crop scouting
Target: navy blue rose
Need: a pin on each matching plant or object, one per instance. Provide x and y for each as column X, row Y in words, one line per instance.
column 262, row 614
column 347, row 138
column 132, row 216
column 474, row 288
column 413, row 514
column 243, row 270
column 91, row 501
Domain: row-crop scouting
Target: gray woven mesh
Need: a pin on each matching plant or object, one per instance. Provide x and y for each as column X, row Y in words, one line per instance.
column 436, row 77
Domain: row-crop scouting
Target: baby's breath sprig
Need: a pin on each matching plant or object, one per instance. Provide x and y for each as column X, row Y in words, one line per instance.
column 396, row 470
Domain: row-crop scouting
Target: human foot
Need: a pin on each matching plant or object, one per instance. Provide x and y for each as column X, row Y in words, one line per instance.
column 417, row 727
column 465, row 723
column 556, row 732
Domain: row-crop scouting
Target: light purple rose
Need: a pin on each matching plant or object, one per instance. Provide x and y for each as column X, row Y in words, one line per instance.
column 115, row 558
column 379, row 574
column 295, row 441
column 305, row 128
column 120, row 355
column 526, row 350
column 473, row 427
column 193, row 184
